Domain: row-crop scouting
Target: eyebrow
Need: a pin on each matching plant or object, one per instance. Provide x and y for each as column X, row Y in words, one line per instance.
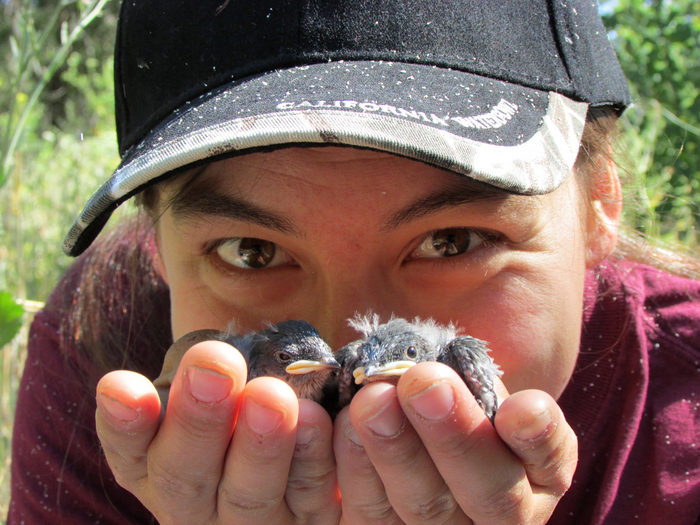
column 450, row 197
column 197, row 202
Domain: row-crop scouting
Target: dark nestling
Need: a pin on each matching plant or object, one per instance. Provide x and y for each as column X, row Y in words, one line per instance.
column 292, row 351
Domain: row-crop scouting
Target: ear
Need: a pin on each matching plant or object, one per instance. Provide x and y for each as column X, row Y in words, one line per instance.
column 603, row 215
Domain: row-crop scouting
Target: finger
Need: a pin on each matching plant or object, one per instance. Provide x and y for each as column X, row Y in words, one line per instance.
column 257, row 467
column 312, row 487
column 186, row 457
column 533, row 426
column 126, row 420
column 413, row 484
column 485, row 477
column 364, row 500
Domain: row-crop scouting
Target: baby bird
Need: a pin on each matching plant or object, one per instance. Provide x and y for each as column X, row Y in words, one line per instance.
column 388, row 350
column 292, row 351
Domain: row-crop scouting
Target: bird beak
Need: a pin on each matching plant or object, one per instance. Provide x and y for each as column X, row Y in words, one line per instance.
column 395, row 368
column 306, row 367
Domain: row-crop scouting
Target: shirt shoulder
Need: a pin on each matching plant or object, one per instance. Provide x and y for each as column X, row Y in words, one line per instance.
column 59, row 474
column 633, row 399
column 670, row 308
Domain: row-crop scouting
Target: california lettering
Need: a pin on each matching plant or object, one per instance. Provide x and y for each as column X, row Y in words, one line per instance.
column 499, row 115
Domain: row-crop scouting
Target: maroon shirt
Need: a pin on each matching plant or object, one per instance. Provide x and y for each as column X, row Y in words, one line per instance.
column 632, row 401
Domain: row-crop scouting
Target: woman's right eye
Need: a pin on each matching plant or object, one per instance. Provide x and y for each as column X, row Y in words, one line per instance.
column 250, row 253
column 448, row 242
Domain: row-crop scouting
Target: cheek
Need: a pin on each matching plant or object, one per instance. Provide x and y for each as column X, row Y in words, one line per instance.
column 532, row 323
column 191, row 305
column 195, row 305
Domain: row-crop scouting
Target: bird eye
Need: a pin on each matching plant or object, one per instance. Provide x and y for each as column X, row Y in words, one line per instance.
column 411, row 352
column 250, row 253
column 448, row 243
column 284, row 357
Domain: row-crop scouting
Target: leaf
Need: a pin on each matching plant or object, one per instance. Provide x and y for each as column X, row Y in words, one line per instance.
column 11, row 314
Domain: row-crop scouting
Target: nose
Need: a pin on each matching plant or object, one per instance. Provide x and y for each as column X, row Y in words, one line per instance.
column 337, row 298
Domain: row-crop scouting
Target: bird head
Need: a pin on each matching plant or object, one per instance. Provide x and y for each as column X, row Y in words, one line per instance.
column 390, row 350
column 295, row 352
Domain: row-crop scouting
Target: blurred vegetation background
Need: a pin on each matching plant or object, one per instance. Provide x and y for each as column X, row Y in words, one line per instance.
column 57, row 143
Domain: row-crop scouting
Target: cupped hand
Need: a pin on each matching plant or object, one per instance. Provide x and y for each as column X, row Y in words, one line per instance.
column 225, row 451
column 423, row 452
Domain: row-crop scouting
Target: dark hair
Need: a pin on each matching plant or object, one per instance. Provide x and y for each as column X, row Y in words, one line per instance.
column 118, row 311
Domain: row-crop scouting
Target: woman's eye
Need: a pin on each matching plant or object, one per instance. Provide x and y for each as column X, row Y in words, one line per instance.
column 250, row 253
column 448, row 243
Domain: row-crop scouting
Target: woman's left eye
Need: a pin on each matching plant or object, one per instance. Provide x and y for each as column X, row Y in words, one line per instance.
column 250, row 253
column 448, row 242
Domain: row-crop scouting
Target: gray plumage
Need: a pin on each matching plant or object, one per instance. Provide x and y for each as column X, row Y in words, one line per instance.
column 292, row 351
column 387, row 350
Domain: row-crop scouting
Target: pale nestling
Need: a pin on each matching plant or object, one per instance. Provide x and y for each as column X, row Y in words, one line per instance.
column 387, row 350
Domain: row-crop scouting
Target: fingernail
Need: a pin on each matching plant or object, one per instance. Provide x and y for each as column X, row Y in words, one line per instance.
column 306, row 435
column 208, row 386
column 118, row 410
column 261, row 419
column 352, row 435
column 389, row 421
column 534, row 429
column 435, row 402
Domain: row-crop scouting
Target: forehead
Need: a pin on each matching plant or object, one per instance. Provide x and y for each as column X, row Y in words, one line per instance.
column 336, row 173
column 327, row 166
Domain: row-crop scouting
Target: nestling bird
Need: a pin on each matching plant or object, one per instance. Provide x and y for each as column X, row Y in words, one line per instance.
column 292, row 351
column 387, row 350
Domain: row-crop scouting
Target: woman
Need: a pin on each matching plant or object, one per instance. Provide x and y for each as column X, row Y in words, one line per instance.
column 311, row 162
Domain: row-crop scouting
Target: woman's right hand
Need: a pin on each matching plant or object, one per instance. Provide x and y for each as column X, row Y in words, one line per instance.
column 226, row 451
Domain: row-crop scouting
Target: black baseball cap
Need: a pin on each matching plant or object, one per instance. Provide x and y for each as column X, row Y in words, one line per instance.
column 494, row 90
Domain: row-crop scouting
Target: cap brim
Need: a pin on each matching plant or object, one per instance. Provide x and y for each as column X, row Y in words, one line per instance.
column 516, row 138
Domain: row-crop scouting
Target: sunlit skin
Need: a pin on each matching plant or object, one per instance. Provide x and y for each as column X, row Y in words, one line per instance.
column 345, row 241
column 520, row 290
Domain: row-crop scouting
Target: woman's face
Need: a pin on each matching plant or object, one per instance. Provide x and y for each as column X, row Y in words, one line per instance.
column 322, row 233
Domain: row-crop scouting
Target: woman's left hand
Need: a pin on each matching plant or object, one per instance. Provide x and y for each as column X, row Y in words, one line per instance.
column 424, row 452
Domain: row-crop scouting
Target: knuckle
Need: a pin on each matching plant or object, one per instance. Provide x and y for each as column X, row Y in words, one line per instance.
column 403, row 452
column 506, row 502
column 455, row 446
column 438, row 509
column 169, row 484
column 127, row 469
column 125, row 477
column 311, row 482
column 377, row 512
column 556, row 469
column 242, row 504
column 198, row 428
